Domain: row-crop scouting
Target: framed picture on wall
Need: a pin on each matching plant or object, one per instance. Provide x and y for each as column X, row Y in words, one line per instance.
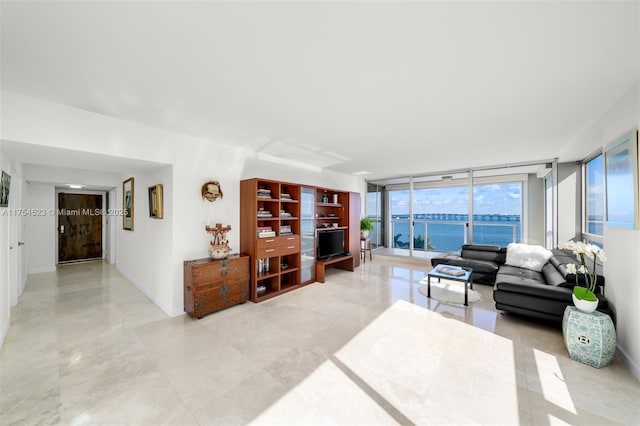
column 155, row 201
column 621, row 178
column 127, row 204
column 5, row 185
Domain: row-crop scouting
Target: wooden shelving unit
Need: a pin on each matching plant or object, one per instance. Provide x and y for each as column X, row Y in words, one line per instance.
column 278, row 226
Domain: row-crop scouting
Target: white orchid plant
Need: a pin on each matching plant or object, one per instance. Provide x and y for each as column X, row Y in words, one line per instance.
column 583, row 252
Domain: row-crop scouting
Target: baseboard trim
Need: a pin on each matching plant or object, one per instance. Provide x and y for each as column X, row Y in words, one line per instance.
column 170, row 312
column 628, row 362
column 42, row 270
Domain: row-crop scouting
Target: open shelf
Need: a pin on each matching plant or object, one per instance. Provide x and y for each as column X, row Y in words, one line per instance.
column 296, row 214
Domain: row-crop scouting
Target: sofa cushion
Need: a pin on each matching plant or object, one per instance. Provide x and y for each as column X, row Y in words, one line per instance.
column 553, row 277
column 527, row 256
column 491, row 253
column 507, row 271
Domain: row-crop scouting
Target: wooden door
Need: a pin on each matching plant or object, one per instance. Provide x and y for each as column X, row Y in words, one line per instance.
column 79, row 227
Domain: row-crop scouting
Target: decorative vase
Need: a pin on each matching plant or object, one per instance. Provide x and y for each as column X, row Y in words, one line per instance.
column 587, row 306
column 219, row 251
column 364, row 234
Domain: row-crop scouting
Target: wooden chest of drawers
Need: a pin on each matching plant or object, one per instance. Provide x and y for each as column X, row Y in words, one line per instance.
column 277, row 246
column 211, row 285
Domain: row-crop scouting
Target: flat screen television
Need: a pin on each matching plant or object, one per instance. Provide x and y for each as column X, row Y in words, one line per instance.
column 330, row 243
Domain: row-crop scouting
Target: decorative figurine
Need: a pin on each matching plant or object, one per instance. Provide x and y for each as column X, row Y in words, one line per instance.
column 219, row 246
column 211, row 191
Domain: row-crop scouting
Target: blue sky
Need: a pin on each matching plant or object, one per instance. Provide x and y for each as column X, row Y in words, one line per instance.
column 595, row 185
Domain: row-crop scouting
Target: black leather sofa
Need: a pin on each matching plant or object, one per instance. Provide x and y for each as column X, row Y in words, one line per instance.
column 543, row 295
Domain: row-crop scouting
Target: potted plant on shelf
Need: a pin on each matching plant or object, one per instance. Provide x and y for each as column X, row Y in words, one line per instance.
column 584, row 298
column 366, row 225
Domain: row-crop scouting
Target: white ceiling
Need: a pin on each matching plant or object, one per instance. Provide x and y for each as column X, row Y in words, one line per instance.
column 395, row 88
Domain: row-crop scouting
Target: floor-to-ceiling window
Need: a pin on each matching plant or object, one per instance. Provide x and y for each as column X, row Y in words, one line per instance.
column 593, row 200
column 440, row 213
column 497, row 213
column 399, row 224
column 440, row 217
column 375, row 211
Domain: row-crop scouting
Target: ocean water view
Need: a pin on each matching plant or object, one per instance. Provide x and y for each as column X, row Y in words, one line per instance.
column 446, row 231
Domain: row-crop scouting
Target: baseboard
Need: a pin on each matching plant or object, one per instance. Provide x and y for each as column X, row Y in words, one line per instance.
column 170, row 312
column 628, row 362
column 42, row 270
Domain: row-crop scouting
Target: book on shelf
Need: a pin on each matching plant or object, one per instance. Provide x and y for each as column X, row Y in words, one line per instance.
column 451, row 270
column 264, row 228
column 285, row 229
column 262, row 265
column 285, row 196
column 264, row 213
column 266, row 234
column 264, row 193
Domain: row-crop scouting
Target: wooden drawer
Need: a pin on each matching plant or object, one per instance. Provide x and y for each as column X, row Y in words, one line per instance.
column 267, row 243
column 290, row 248
column 268, row 252
column 220, row 295
column 288, row 239
column 215, row 270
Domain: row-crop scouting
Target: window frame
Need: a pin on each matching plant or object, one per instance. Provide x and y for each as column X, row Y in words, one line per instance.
column 584, row 234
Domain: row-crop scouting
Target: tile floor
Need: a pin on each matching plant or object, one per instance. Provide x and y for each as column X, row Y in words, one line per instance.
column 85, row 347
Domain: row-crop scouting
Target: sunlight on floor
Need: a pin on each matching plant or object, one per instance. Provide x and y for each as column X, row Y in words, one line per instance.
column 552, row 382
column 409, row 365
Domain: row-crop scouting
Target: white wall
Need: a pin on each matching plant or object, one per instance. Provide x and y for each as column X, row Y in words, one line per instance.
column 41, row 247
column 4, row 260
column 569, row 204
column 622, row 268
column 535, row 210
column 142, row 252
column 194, row 162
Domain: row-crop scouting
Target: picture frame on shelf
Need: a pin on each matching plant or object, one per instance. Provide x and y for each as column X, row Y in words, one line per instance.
column 156, row 210
column 621, row 181
column 127, row 204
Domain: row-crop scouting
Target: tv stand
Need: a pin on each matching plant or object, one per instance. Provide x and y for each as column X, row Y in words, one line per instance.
column 344, row 262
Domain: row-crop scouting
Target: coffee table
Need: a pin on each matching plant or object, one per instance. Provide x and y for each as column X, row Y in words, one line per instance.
column 465, row 277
